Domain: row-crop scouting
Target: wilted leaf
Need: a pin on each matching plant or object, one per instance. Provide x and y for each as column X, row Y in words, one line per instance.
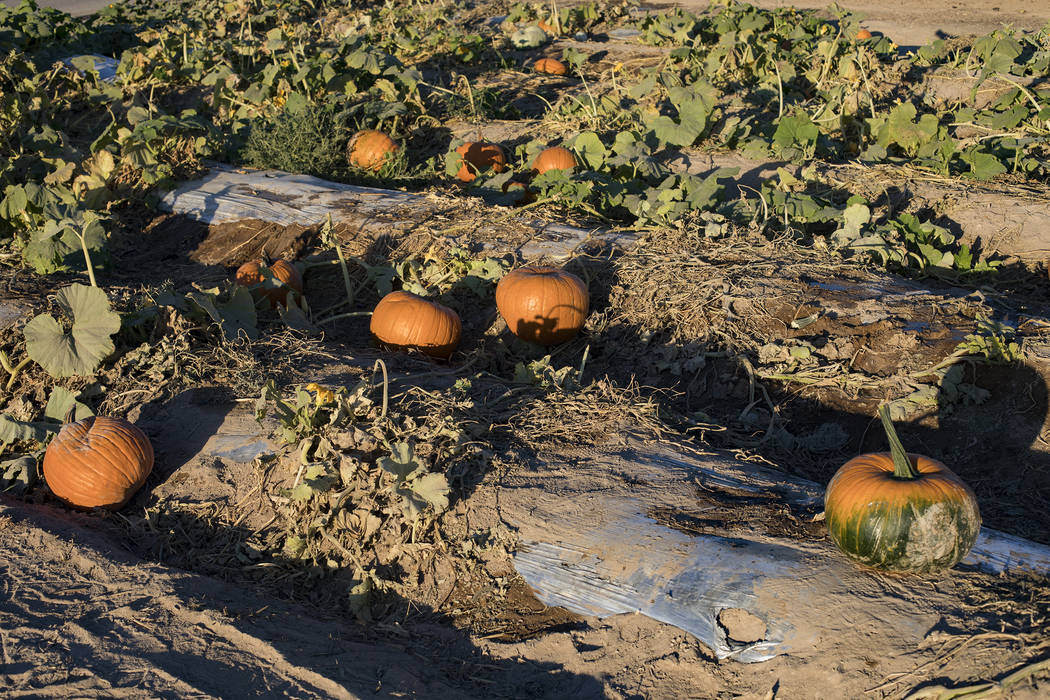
column 234, row 316
column 12, row 430
column 18, row 474
column 432, row 488
column 402, row 462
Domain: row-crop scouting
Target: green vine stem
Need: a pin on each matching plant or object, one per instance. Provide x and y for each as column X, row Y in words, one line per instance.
column 902, row 465
column 13, row 371
column 87, row 259
column 351, row 314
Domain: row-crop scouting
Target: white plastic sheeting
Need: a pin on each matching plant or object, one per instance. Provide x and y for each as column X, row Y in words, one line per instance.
column 230, row 194
column 594, row 548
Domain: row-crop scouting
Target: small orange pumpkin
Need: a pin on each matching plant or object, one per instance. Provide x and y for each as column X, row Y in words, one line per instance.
column 549, row 28
column 901, row 512
column 863, row 34
column 370, row 150
column 479, row 156
column 250, row 274
column 98, row 462
column 543, row 305
column 554, row 158
column 403, row 320
column 550, row 66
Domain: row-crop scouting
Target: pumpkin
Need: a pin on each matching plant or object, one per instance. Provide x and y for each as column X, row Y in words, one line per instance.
column 902, row 512
column 549, row 28
column 517, row 186
column 543, row 305
column 250, row 274
column 550, row 66
column 479, row 156
column 370, row 150
column 863, row 34
column 554, row 158
column 98, row 462
column 403, row 321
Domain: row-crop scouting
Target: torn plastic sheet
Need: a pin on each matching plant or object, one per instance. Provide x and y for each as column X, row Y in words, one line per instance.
column 608, row 556
column 104, row 65
column 227, row 194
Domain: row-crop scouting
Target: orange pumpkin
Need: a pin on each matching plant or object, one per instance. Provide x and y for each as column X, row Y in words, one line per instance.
column 549, row 28
column 403, row 321
column 901, row 512
column 250, row 274
column 370, row 150
column 479, row 156
column 550, row 66
column 98, row 462
column 543, row 305
column 554, row 158
column 863, row 34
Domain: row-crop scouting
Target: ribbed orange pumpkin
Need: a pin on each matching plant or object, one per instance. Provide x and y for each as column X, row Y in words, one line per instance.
column 543, row 305
column 479, row 156
column 554, row 158
column 250, row 274
column 550, row 66
column 901, row 512
column 98, row 462
column 370, row 149
column 403, row 320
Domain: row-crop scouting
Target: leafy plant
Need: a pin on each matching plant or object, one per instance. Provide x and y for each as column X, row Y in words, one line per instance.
column 80, row 350
column 414, row 483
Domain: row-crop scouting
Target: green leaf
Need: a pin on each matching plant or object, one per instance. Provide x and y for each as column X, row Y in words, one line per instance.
column 983, row 166
column 59, row 403
column 853, row 220
column 82, row 350
column 590, row 149
column 796, row 135
column 18, row 474
column 902, row 129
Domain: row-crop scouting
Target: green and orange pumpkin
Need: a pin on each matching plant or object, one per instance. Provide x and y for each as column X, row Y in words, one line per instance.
column 902, row 512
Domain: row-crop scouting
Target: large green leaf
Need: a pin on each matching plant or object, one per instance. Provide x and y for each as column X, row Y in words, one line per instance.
column 82, row 350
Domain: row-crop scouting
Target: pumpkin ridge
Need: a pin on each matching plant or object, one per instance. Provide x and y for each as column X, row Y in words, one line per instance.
column 119, row 462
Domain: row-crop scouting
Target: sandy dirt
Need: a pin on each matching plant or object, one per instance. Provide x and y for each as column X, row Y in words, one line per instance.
column 93, row 606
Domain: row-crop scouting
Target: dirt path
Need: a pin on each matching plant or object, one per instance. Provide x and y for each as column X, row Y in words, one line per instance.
column 912, row 23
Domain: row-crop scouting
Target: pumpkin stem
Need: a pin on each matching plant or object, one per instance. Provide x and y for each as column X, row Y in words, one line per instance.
column 71, row 414
column 902, row 464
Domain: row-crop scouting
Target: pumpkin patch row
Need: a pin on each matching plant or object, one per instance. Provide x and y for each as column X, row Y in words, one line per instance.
column 895, row 511
column 541, row 305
